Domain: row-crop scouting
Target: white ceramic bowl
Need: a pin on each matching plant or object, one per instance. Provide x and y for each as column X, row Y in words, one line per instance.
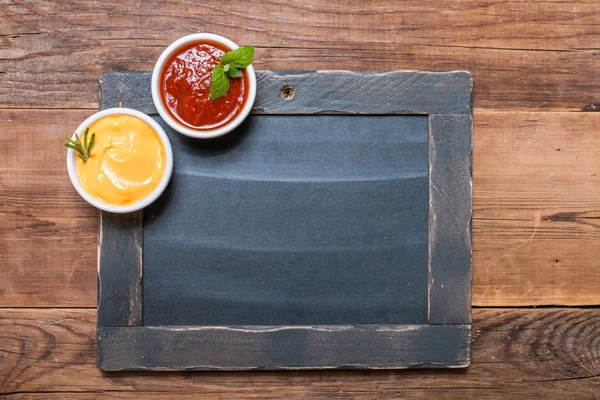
column 72, row 167
column 177, row 125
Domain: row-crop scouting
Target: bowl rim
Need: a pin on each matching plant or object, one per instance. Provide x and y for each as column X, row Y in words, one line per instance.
column 178, row 126
column 143, row 202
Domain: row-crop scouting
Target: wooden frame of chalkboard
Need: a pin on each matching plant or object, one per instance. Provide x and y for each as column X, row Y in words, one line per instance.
column 124, row 343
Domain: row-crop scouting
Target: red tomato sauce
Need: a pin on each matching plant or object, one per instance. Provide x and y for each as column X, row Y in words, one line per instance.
column 185, row 87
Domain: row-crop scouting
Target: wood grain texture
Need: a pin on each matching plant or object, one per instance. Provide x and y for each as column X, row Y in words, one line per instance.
column 48, row 234
column 233, row 348
column 535, row 390
column 523, row 55
column 48, row 238
column 323, row 92
column 120, row 242
column 518, row 353
column 450, row 183
column 536, row 209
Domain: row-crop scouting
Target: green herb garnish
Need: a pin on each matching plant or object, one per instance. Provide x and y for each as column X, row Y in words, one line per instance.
column 83, row 149
column 228, row 67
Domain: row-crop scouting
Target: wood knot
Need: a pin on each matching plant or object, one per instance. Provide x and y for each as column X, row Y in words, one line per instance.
column 287, row 92
column 556, row 262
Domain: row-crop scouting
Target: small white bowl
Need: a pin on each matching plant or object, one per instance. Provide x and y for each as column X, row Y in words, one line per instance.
column 143, row 202
column 178, row 126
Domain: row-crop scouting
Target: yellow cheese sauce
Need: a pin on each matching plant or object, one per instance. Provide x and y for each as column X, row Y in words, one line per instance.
column 126, row 163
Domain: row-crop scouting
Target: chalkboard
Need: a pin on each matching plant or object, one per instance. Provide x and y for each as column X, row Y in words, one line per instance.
column 328, row 231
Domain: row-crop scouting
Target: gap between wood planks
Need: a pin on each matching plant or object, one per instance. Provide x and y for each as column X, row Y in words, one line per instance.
column 364, row 46
column 588, row 108
column 541, row 307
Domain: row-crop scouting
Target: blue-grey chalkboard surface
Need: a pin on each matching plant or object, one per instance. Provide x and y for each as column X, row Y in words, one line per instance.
column 304, row 219
column 328, row 231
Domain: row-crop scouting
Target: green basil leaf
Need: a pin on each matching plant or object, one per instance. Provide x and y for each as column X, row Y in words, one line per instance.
column 220, row 83
column 233, row 72
column 239, row 58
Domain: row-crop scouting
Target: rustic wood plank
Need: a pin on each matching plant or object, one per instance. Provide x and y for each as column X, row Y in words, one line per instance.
column 120, row 269
column 48, row 238
column 48, row 234
column 523, row 55
column 120, row 246
column 551, row 352
column 323, row 92
column 536, row 208
column 233, row 348
column 450, row 207
column 541, row 390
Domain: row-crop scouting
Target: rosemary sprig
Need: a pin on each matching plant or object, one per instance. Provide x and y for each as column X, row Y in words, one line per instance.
column 83, row 149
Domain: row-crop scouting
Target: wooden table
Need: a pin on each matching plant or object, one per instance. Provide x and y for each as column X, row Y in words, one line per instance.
column 536, row 258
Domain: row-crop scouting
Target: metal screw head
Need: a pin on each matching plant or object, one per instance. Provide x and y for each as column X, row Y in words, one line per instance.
column 287, row 92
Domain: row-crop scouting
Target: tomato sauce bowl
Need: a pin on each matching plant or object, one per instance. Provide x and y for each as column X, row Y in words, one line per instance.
column 181, row 88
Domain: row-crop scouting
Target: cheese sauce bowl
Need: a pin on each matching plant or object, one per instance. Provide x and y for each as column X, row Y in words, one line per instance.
column 127, row 151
